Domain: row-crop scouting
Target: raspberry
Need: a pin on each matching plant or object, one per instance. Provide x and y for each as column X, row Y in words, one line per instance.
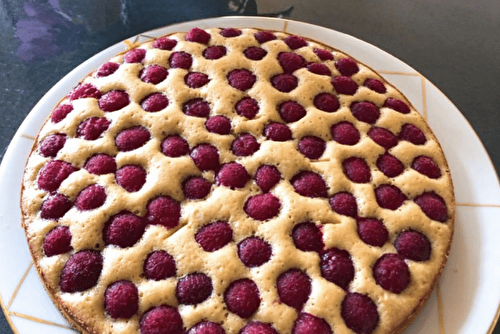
column 57, row 241
column 196, row 187
column 154, row 102
column 198, row 35
column 242, row 298
column 433, row 206
column 214, row 52
column 214, row 236
column 290, row 62
column 375, row 85
column 92, row 128
column 180, row 59
column 61, row 112
column 319, row 68
column 411, row 133
column 83, row 91
column 244, row 145
column 344, row 203
column 337, row 267
column 372, row 231
column 390, row 165
column 114, row 100
column 255, row 53
column 365, row 111
column 164, row 43
column 134, row 56
column 262, row 207
column 196, row 80
column 344, row 85
column 295, row 42
column 309, row 184
column 52, row 144
column 359, row 313
column 264, row 36
column 257, row 327
column 163, row 210
column 356, row 169
column 174, row 146
column 241, row 79
column 391, row 273
column 389, row 196
column 100, row 164
column 121, row 300
column 277, row 132
column 309, row 324
column 294, row 288
column 193, row 289
column 232, row 175
column 132, row 138
column 291, row 111
column 154, row 74
column 53, row 174
column 91, row 197
column 159, row 265
column 383, row 137
column 308, row 237
column 161, row 319
column 284, row 82
column 131, row 177
column 81, row 272
column 345, row 133
column 326, row 102
column 205, row 157
column 123, row 229
column 397, row 105
column 247, row 107
column 312, row 147
column 206, row 327
column 267, row 177
column 106, row 69
column 413, row 245
column 323, row 54
column 230, row 32
column 55, row 207
column 218, row 124
column 196, row 108
column 426, row 166
column 254, row 252
column 347, row 66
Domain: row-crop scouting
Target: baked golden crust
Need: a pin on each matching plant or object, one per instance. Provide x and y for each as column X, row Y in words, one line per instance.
column 165, row 177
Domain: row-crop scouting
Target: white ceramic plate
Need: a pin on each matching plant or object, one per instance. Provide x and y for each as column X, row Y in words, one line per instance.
column 468, row 295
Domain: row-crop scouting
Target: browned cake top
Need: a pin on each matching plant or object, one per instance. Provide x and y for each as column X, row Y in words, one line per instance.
column 219, row 181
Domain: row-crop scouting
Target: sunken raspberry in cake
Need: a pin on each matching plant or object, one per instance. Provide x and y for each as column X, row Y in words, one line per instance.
column 237, row 181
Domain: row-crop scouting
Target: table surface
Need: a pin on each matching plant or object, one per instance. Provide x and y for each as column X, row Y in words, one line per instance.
column 452, row 43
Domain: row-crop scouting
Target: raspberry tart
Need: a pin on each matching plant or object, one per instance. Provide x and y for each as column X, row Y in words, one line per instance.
column 237, row 181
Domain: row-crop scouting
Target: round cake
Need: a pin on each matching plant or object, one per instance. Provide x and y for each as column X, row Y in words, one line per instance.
column 237, row 181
